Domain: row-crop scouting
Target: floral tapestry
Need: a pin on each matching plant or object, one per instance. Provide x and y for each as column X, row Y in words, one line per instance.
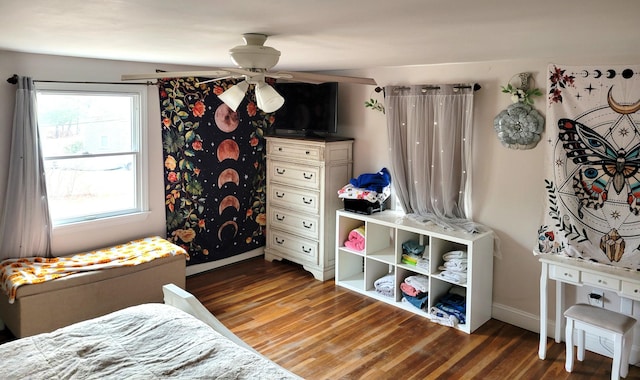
column 593, row 165
column 214, row 165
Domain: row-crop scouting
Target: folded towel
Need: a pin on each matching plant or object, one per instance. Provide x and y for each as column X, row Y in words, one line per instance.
column 385, row 285
column 420, row 303
column 459, row 265
column 356, row 239
column 457, row 277
column 420, row 282
column 412, row 247
column 455, row 255
column 441, row 317
column 351, row 192
column 408, row 259
column 423, row 263
column 373, row 181
column 411, row 291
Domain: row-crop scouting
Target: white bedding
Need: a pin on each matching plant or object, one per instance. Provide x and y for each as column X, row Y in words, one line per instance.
column 148, row 341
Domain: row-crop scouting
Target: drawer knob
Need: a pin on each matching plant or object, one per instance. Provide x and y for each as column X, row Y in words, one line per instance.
column 279, row 195
column 635, row 290
column 307, row 176
column 280, row 149
column 307, row 152
column 306, row 250
column 279, row 241
column 305, row 225
column 280, row 218
column 307, row 201
column 280, row 171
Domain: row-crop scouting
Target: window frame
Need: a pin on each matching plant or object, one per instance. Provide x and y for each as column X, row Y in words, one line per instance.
column 139, row 137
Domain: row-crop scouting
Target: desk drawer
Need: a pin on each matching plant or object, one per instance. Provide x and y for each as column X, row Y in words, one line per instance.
column 294, row 151
column 566, row 274
column 298, row 199
column 296, row 175
column 631, row 290
column 294, row 222
column 600, row 281
column 297, row 249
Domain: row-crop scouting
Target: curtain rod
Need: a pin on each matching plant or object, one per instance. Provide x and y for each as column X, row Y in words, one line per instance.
column 475, row 87
column 14, row 80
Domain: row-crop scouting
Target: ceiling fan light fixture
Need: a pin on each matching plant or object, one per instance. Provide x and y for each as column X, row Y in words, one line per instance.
column 267, row 98
column 254, row 55
column 234, row 95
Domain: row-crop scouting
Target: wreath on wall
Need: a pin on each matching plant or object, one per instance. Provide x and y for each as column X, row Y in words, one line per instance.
column 520, row 126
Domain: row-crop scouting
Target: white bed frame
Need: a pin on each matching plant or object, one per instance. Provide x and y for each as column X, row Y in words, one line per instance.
column 185, row 301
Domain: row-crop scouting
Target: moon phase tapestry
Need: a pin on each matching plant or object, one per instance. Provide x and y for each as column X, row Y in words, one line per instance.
column 592, row 177
column 214, row 166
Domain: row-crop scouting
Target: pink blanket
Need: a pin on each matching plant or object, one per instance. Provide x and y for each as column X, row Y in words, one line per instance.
column 355, row 240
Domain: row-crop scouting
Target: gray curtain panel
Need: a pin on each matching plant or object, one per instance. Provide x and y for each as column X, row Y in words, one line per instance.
column 25, row 228
column 429, row 130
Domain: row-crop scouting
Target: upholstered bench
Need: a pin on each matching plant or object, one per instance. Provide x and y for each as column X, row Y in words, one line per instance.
column 46, row 306
column 605, row 324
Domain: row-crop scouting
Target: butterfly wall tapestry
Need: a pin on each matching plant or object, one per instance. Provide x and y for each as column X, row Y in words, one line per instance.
column 592, row 179
column 214, row 169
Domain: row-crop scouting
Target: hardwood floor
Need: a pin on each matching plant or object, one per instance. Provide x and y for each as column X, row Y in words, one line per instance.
column 320, row 331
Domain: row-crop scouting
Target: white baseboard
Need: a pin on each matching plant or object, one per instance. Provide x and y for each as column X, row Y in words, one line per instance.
column 531, row 322
column 199, row 268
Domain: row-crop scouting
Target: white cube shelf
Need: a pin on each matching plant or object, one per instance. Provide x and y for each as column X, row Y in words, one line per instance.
column 384, row 234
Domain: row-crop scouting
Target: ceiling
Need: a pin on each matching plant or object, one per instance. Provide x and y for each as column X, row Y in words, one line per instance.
column 322, row 35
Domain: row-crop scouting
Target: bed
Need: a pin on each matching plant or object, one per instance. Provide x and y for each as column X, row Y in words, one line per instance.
column 178, row 339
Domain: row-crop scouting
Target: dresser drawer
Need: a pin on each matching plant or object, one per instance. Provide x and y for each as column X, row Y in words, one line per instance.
column 631, row 290
column 295, row 223
column 600, row 281
column 290, row 197
column 278, row 149
column 293, row 247
column 296, row 175
column 566, row 274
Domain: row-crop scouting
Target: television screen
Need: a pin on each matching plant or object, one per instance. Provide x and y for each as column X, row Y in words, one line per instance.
column 309, row 109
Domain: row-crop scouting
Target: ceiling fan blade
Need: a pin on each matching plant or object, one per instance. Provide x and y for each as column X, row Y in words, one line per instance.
column 216, row 79
column 177, row 74
column 323, row 78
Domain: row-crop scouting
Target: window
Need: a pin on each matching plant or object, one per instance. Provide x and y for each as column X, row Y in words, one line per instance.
column 93, row 144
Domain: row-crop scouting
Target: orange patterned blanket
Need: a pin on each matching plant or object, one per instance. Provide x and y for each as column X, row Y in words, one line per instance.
column 35, row 270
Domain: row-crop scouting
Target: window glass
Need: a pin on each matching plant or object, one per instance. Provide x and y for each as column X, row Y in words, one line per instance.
column 92, row 147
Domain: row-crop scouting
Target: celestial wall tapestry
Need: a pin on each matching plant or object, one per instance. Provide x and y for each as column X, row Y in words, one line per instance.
column 214, row 165
column 593, row 165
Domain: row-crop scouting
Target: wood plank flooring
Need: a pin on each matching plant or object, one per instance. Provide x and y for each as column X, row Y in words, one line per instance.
column 320, row 331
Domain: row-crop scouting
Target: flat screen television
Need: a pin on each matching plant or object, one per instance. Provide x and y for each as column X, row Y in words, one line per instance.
column 308, row 110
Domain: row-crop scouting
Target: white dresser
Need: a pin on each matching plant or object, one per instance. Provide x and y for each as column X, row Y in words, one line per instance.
column 303, row 178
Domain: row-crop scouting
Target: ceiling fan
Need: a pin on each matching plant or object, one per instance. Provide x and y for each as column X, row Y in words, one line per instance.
column 254, row 60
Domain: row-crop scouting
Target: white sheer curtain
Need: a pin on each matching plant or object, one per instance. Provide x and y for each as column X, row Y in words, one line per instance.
column 25, row 227
column 429, row 129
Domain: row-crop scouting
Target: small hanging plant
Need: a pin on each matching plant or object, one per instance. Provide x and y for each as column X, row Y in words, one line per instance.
column 374, row 105
column 521, row 95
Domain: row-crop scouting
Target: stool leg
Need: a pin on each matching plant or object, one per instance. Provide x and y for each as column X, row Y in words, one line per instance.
column 617, row 356
column 569, row 345
column 580, row 344
column 626, row 352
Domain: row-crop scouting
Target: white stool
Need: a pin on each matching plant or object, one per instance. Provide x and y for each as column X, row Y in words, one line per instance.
column 602, row 323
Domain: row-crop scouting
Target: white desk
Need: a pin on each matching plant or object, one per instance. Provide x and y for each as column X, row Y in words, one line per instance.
column 564, row 270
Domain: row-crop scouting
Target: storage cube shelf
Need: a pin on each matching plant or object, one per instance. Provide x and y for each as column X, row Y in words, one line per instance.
column 384, row 234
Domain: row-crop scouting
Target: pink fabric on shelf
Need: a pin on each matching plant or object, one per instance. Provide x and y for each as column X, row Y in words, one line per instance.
column 355, row 240
column 409, row 290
